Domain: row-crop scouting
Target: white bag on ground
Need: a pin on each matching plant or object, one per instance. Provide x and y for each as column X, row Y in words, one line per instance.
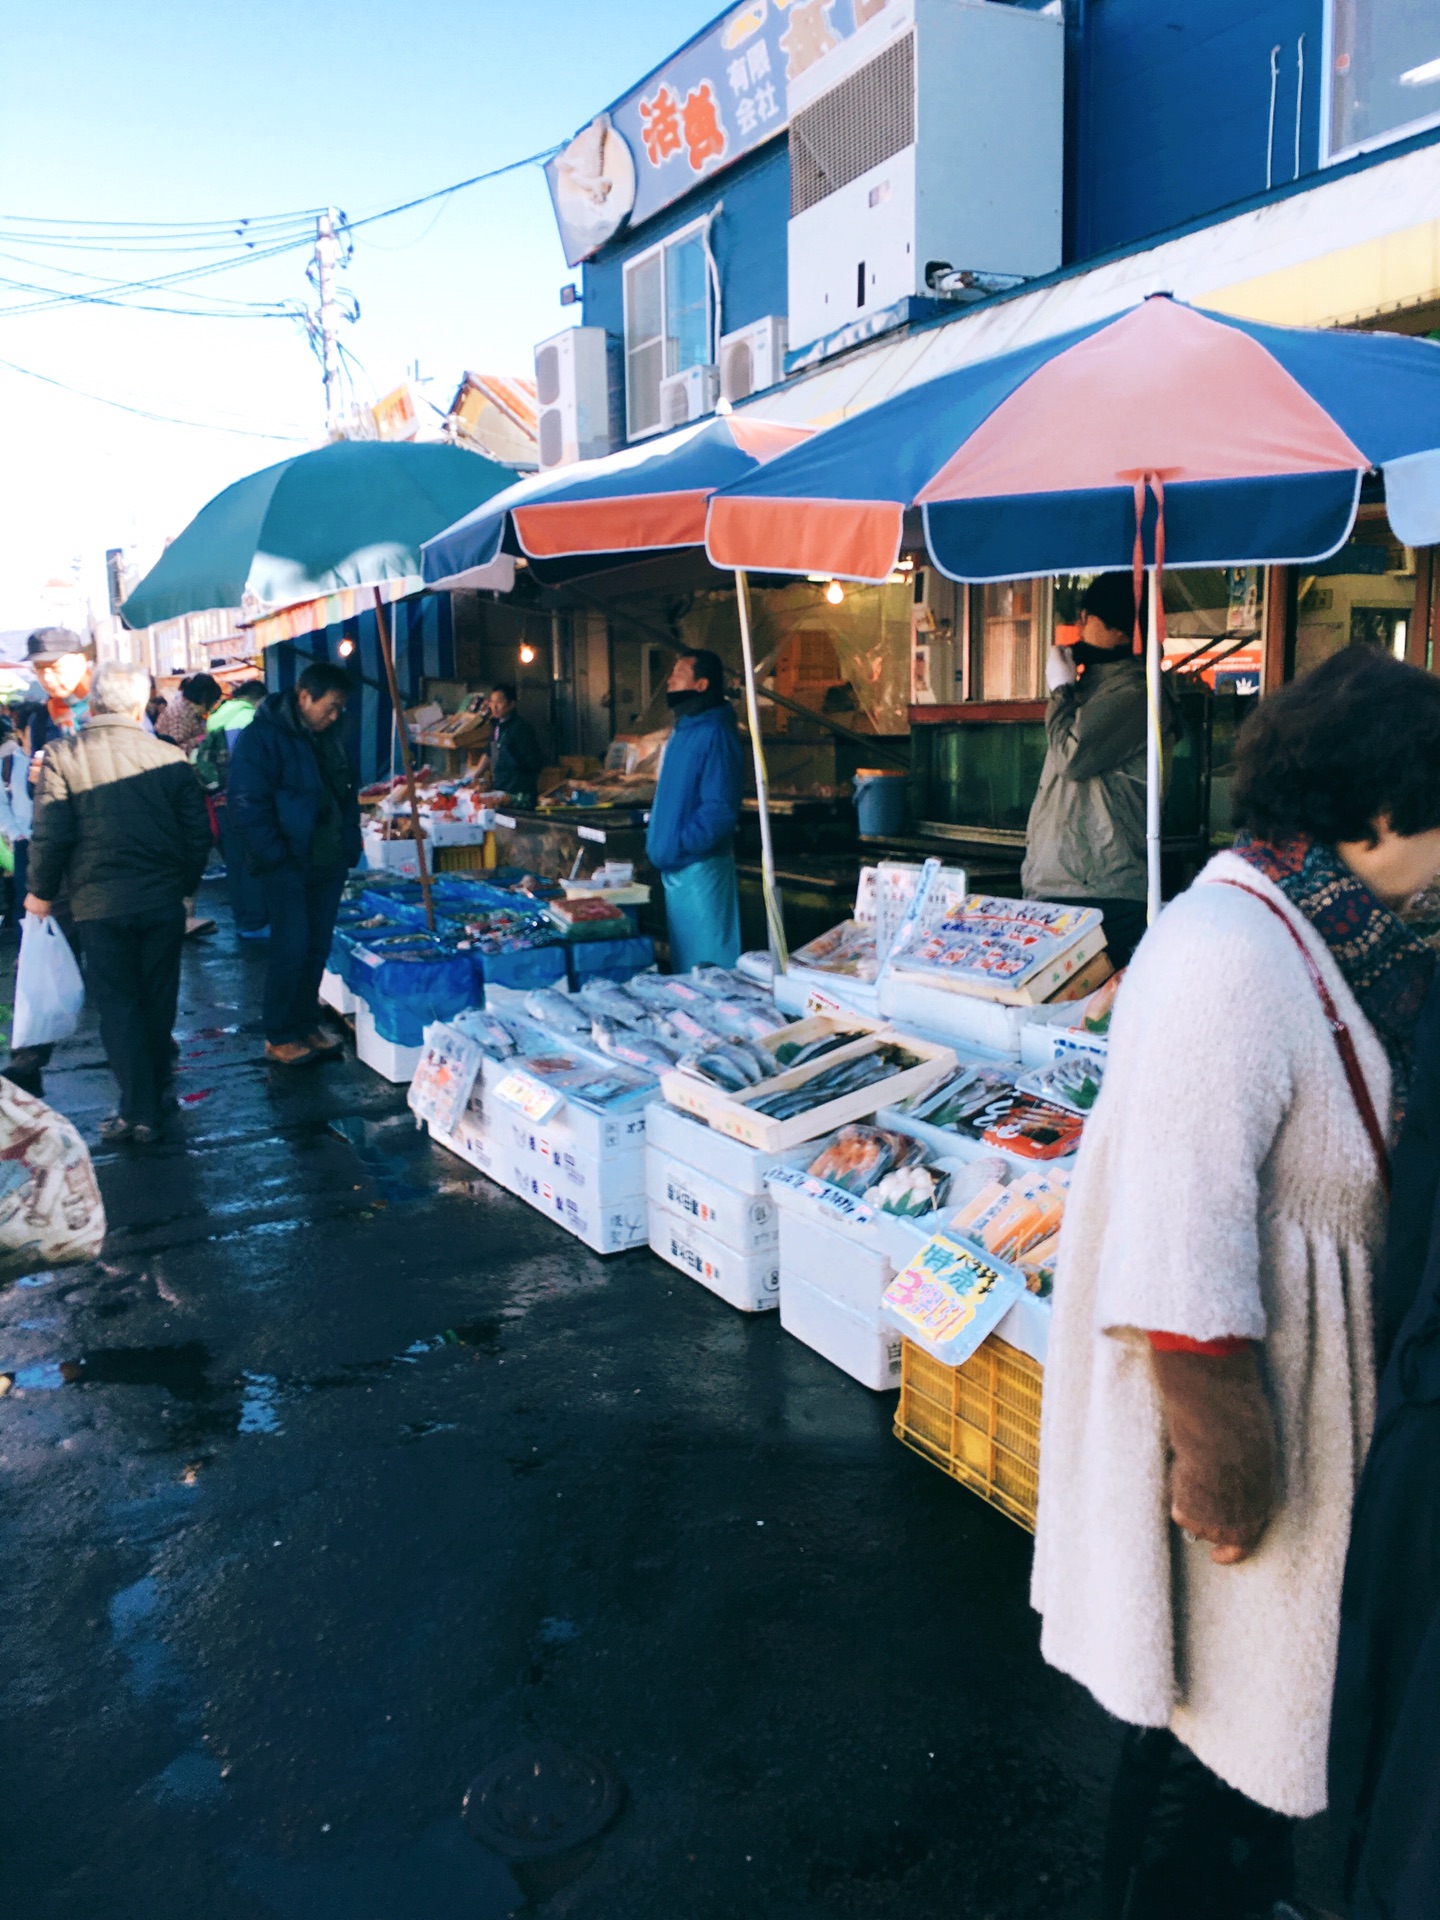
column 50, row 1205
column 49, row 990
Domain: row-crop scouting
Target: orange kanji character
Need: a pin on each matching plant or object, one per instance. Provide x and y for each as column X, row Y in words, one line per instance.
column 660, row 121
column 704, row 134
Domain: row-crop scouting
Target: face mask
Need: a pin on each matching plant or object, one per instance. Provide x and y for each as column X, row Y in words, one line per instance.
column 687, row 700
column 1084, row 655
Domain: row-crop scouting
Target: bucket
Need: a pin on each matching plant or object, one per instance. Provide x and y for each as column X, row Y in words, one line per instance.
column 881, row 797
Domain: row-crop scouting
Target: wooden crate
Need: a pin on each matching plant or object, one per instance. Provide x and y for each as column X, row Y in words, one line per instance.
column 979, row 1422
column 732, row 1115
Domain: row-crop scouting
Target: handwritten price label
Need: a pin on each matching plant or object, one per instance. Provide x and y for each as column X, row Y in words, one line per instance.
column 527, row 1096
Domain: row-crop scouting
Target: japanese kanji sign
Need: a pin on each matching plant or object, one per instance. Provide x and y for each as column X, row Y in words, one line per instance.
column 710, row 104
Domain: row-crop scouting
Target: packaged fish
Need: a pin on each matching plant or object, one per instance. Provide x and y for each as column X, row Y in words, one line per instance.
column 1073, row 1082
column 907, row 1191
column 1034, row 1129
column 557, row 1011
column 857, row 1158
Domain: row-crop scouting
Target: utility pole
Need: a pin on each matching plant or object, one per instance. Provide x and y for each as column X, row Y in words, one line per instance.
column 327, row 260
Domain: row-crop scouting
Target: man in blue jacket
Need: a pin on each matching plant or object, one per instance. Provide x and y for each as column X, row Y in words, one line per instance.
column 292, row 798
column 692, row 823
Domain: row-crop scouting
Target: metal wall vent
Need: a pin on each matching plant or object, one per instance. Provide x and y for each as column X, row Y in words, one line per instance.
column 857, row 125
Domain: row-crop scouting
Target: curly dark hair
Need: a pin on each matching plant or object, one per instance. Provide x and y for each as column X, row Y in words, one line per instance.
column 1329, row 754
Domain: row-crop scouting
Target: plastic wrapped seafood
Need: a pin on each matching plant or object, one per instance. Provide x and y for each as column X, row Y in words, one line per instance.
column 556, row 1011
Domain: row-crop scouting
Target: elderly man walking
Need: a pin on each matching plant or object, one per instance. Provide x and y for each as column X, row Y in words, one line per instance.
column 121, row 829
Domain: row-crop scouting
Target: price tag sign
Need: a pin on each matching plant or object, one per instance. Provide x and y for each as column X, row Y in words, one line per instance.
column 818, row 1001
column 596, row 834
column 527, row 1096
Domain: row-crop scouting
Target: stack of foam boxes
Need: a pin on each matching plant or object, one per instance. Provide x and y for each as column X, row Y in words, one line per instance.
column 710, row 1216
column 583, row 1169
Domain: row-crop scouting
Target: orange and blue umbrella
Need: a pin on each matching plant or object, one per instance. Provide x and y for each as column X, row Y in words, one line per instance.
column 1230, row 443
column 647, row 499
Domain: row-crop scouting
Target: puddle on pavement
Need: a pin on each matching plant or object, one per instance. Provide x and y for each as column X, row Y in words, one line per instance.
column 444, row 1875
column 394, row 1152
column 133, row 1628
column 191, row 1779
column 260, row 1404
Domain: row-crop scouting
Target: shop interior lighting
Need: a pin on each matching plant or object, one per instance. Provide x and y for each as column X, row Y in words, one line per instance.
column 1422, row 76
column 905, row 564
column 345, row 649
column 835, row 593
column 527, row 654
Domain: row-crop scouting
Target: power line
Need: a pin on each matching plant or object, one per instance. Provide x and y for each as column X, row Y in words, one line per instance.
column 144, row 413
column 475, row 180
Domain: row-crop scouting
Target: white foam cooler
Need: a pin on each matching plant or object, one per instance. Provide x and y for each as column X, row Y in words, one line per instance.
column 749, row 1281
column 744, row 1221
column 857, row 1342
column 334, row 992
column 383, row 1056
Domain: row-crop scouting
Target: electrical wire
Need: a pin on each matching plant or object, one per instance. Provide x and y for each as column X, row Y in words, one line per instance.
column 144, row 413
column 441, row 193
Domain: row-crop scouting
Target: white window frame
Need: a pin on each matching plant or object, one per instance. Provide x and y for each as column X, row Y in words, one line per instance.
column 1332, row 157
column 636, row 260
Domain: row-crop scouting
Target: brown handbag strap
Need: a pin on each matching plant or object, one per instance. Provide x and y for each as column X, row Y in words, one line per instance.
column 1344, row 1043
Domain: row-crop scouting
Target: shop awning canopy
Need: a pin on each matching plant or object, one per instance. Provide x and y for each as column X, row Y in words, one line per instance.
column 646, row 499
column 350, row 514
column 1033, row 462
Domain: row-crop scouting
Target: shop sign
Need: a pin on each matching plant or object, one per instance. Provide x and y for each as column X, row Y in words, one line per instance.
column 710, row 104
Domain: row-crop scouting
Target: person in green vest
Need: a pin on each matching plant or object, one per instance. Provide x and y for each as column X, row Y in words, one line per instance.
column 212, row 763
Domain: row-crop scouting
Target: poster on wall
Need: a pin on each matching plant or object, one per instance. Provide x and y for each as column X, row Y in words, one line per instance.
column 717, row 99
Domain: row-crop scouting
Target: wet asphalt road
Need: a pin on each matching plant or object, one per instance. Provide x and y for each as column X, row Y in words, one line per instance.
column 344, row 1473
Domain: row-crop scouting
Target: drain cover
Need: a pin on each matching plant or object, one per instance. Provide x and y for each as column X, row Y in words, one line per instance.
column 542, row 1800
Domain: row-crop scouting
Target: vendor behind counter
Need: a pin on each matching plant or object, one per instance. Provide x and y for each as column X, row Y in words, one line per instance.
column 691, row 839
column 515, row 756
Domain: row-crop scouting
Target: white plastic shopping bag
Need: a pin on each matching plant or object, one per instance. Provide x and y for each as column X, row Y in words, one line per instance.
column 49, row 991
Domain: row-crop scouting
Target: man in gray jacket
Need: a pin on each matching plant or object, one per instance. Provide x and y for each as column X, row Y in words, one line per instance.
column 121, row 827
column 1085, row 843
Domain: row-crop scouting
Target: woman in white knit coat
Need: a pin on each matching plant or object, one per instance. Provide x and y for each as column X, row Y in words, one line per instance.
column 1210, row 1378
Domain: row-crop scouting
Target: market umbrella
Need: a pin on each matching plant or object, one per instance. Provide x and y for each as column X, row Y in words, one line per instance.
column 1164, row 435
column 645, row 499
column 349, row 514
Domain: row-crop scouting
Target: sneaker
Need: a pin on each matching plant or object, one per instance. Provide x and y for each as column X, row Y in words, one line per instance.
column 195, row 926
column 289, row 1053
column 323, row 1041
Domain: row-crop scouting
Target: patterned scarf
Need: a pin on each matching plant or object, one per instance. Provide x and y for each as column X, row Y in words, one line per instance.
column 1385, row 966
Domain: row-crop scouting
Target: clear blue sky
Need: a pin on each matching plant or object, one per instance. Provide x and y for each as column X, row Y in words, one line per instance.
column 201, row 109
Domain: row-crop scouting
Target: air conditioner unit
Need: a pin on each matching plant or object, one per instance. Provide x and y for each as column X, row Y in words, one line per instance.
column 752, row 358
column 688, row 396
column 925, row 154
column 572, row 390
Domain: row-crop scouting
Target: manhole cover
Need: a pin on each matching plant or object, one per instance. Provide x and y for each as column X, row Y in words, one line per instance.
column 543, row 1800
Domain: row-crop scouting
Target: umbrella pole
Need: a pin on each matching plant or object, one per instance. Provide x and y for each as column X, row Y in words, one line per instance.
column 1153, row 783
column 382, row 629
column 774, row 920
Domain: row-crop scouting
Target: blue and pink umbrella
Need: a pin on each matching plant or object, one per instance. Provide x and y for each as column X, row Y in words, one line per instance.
column 1164, row 436
column 646, row 499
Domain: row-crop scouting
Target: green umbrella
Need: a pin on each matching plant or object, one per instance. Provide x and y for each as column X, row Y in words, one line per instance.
column 345, row 515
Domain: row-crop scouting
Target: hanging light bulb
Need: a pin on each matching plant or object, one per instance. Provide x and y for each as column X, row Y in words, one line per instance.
column 527, row 654
column 835, row 593
column 345, row 649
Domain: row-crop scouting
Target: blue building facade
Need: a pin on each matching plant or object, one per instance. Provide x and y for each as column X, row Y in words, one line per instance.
column 1175, row 115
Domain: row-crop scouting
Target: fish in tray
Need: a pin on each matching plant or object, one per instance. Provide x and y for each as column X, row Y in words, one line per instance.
column 834, row 1083
column 612, row 1002
column 730, row 1064
column 634, row 1048
column 494, row 1036
column 791, row 1053
column 556, row 1011
column 746, row 1019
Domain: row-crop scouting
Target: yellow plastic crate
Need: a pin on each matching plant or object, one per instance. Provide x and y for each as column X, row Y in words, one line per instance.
column 979, row 1422
column 466, row 859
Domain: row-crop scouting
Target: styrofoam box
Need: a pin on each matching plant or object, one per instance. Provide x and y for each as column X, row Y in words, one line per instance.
column 957, row 1016
column 802, row 990
column 391, row 856
column 860, row 1344
column 1027, row 1326
column 745, row 1221
column 1044, row 1040
column 749, row 1281
column 603, row 1179
column 334, row 992
column 605, row 1229
column 472, row 1142
column 598, row 1134
column 838, row 1263
column 384, row 1057
column 688, row 1139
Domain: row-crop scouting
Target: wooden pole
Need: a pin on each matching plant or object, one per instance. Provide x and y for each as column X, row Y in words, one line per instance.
column 382, row 628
